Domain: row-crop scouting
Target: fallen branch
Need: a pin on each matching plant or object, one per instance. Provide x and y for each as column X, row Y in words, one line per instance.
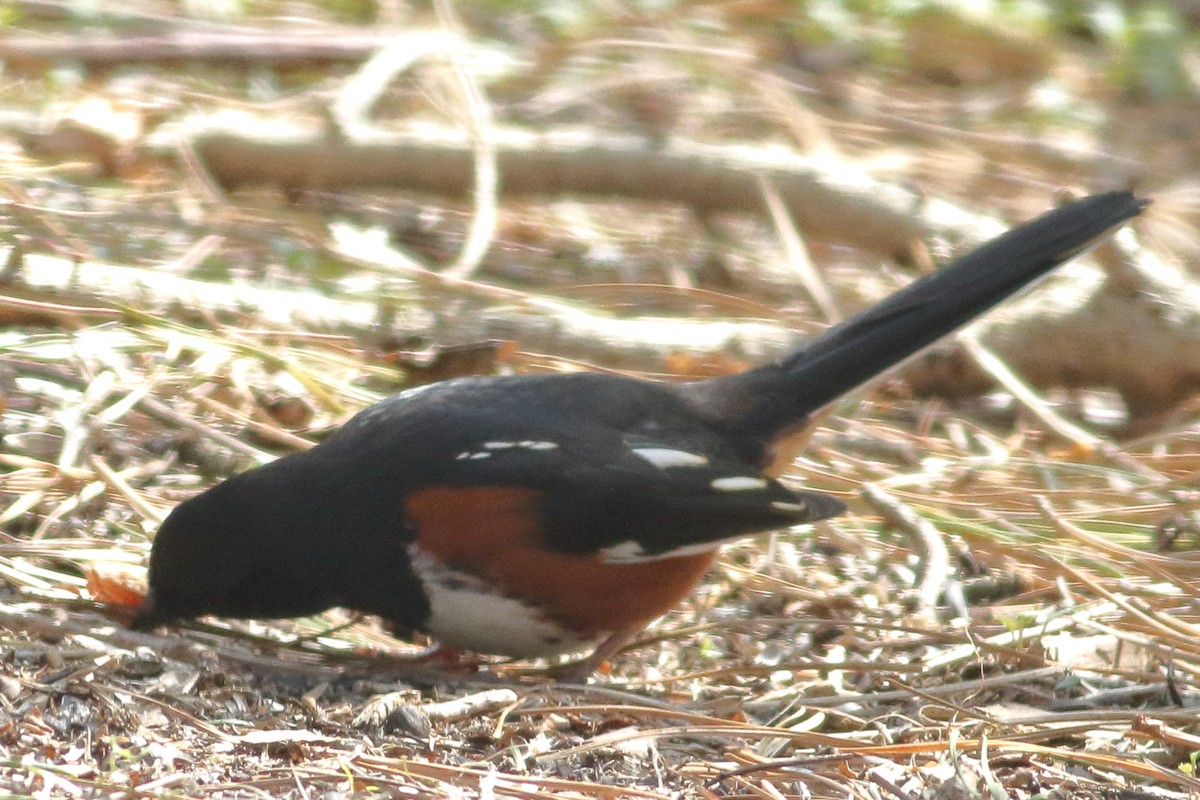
column 1077, row 331
column 1084, row 332
column 829, row 201
column 56, row 283
column 246, row 46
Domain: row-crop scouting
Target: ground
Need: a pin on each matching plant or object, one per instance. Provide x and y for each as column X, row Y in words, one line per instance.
column 223, row 236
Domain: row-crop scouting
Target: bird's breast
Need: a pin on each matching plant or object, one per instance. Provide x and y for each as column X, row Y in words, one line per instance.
column 494, row 587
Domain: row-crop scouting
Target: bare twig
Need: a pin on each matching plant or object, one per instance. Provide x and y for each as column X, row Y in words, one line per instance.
column 936, row 556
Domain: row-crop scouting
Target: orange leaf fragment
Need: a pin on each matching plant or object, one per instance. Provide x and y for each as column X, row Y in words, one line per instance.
column 116, row 585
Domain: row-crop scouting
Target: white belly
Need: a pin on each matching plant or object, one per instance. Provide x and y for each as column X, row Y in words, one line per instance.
column 467, row 614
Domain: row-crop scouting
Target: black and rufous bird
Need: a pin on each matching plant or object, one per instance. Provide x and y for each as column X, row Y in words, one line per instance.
column 537, row 515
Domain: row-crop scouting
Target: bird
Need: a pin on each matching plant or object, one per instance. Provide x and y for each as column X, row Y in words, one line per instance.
column 542, row 515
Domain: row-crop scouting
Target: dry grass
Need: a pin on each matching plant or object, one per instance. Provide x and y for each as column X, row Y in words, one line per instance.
column 1003, row 613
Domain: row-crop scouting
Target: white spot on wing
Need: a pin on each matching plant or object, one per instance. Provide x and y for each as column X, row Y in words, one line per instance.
column 387, row 406
column 631, row 552
column 495, row 447
column 527, row 444
column 666, row 458
column 799, row 508
column 465, row 612
column 413, row 391
column 739, row 483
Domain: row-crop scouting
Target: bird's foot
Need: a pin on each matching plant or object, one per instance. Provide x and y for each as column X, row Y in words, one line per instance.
column 449, row 658
column 579, row 671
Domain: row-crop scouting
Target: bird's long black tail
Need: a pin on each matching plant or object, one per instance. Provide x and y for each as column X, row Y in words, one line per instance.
column 765, row 400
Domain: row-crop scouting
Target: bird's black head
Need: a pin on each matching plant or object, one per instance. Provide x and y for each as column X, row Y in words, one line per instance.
column 292, row 538
column 246, row 548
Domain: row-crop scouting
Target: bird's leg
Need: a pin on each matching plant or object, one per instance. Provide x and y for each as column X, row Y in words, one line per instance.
column 436, row 654
column 448, row 657
column 578, row 671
